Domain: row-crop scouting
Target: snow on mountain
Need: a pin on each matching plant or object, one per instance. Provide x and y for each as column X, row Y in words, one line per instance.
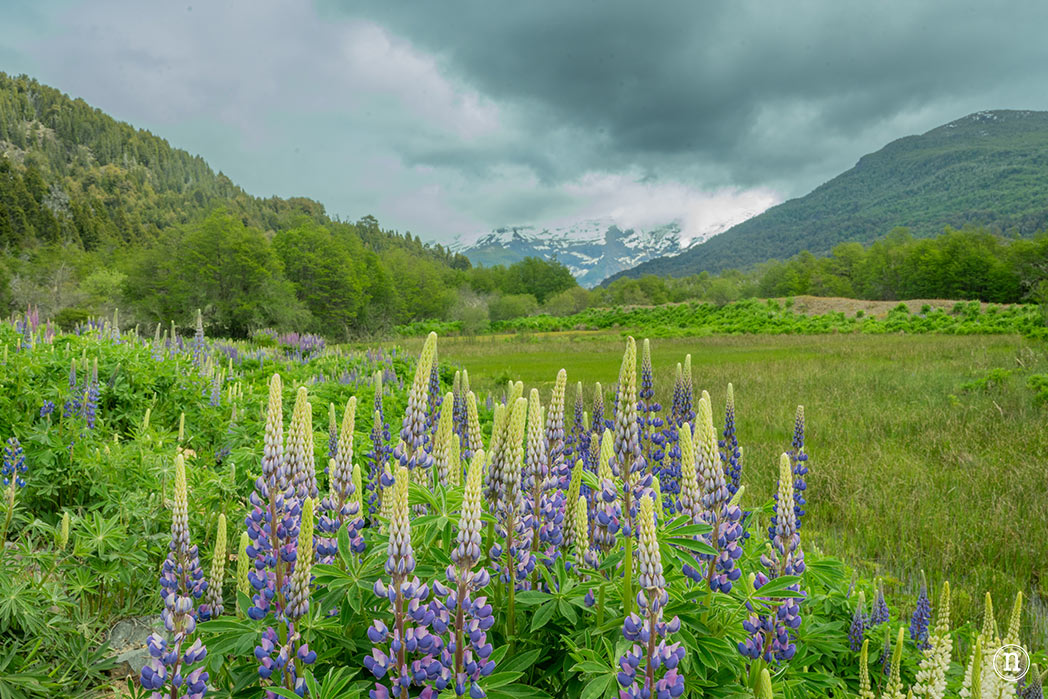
column 593, row 249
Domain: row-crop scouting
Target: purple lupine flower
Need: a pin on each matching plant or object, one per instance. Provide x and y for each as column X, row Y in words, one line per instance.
column 411, row 657
column 459, row 417
column 559, row 466
column 730, row 455
column 717, row 510
column 627, row 462
column 647, row 631
column 922, row 617
column 47, row 408
column 73, row 403
column 518, row 562
column 467, row 654
column 341, row 508
column 880, row 613
column 273, row 521
column 607, row 506
column 540, row 509
column 434, row 398
column 380, row 449
column 410, row 451
column 91, row 398
column 14, row 465
column 182, row 584
column 216, row 388
column 799, row 462
column 771, row 635
column 860, row 621
column 652, row 438
column 576, row 442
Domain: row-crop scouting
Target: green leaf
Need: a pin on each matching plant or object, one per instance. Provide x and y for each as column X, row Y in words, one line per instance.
column 597, row 686
column 543, row 615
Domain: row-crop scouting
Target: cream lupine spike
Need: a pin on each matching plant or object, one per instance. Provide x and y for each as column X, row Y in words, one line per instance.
column 989, row 684
column 218, row 567
column 344, row 458
column 182, row 426
column 298, row 601
column 931, row 675
column 442, row 439
column 580, row 527
column 465, row 381
column 516, row 390
column 865, row 692
column 1001, row 687
column 690, row 495
column 656, row 489
column 707, row 460
column 455, row 461
column 473, row 423
column 358, row 494
column 243, row 566
column 63, row 532
column 607, row 449
column 763, row 690
column 893, row 690
column 971, row 674
column 687, row 371
column 571, row 503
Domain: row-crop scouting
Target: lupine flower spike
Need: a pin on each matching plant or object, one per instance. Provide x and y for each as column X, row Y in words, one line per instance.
column 176, row 668
column 342, row 507
column 893, row 690
column 467, row 655
column 922, row 617
column 857, row 631
column 865, row 691
column 212, row 608
column 931, row 676
column 771, row 635
column 409, row 637
column 647, row 631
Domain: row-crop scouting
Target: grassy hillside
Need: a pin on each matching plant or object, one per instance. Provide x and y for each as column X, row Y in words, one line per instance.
column 989, row 168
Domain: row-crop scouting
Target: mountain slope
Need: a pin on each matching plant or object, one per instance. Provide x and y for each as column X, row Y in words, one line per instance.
column 988, row 168
column 69, row 173
column 592, row 250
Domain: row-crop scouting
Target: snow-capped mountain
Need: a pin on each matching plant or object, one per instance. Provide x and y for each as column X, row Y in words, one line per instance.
column 593, row 250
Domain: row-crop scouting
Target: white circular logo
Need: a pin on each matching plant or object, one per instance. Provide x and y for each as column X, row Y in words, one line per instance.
column 1011, row 662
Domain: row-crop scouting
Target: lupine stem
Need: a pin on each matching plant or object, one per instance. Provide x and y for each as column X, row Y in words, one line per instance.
column 627, row 576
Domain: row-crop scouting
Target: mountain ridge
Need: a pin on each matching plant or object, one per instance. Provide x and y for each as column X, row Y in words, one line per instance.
column 988, row 168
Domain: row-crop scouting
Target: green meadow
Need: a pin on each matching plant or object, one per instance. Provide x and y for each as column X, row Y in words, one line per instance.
column 926, row 451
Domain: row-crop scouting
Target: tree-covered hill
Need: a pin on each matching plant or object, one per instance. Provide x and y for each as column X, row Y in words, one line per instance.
column 95, row 213
column 988, row 169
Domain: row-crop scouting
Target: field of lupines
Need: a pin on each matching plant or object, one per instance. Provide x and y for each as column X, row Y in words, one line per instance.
column 506, row 547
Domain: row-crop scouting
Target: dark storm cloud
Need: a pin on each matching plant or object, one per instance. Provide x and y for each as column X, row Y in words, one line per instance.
column 670, row 82
column 451, row 117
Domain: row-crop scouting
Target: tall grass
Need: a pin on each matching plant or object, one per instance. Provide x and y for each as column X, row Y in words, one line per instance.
column 910, row 468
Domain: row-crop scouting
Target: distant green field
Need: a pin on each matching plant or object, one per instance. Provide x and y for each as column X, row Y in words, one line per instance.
column 910, row 468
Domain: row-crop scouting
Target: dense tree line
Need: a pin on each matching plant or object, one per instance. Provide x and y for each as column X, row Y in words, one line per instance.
column 970, row 264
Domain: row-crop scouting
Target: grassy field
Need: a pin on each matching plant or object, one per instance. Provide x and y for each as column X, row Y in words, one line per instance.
column 910, row 468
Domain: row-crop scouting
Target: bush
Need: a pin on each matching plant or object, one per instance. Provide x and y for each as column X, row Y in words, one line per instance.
column 512, row 306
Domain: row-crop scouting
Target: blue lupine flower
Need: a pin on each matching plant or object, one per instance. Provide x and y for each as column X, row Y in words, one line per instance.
column 922, row 617
column 14, row 466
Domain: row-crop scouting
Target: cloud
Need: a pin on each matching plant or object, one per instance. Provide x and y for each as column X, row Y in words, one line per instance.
column 461, row 116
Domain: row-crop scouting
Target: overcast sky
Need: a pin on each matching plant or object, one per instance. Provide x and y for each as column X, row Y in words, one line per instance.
column 448, row 118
